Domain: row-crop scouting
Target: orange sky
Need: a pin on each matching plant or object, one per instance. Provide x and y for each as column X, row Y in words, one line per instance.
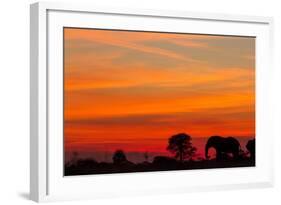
column 133, row 90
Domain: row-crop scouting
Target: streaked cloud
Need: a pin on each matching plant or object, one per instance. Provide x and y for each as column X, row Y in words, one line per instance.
column 134, row 89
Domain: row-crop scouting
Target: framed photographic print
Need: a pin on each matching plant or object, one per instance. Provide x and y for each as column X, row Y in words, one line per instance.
column 129, row 101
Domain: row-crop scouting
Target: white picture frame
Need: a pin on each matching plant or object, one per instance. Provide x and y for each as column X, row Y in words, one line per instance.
column 47, row 182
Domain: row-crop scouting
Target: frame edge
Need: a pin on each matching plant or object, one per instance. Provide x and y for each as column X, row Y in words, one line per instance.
column 34, row 175
column 131, row 11
column 38, row 103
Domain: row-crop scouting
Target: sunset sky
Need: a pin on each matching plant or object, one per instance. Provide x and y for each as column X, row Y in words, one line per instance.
column 133, row 90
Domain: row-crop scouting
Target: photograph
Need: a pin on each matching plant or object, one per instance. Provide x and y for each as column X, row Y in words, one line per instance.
column 146, row 101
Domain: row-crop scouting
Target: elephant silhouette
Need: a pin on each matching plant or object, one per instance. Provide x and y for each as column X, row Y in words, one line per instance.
column 251, row 147
column 223, row 146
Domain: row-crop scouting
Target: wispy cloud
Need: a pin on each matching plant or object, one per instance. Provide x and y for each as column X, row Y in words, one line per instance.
column 144, row 87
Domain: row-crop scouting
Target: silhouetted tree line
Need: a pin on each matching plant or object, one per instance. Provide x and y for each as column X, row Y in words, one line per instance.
column 228, row 154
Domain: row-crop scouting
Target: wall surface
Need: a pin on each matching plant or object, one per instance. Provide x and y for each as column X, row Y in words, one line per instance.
column 14, row 103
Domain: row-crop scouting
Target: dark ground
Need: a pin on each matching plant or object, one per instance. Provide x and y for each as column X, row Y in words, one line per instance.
column 90, row 166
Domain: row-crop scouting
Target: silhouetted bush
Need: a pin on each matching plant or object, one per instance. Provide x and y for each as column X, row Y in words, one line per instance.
column 119, row 157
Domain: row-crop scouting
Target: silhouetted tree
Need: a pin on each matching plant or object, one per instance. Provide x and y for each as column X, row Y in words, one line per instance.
column 181, row 146
column 119, row 157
